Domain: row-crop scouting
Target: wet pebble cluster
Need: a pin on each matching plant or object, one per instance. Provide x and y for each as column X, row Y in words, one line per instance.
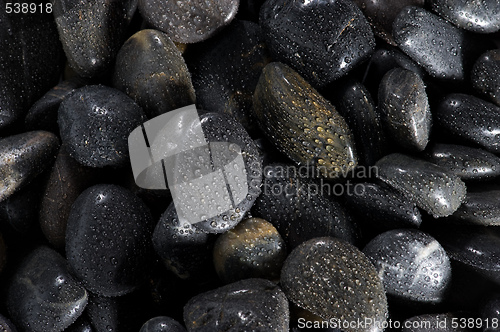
column 367, row 135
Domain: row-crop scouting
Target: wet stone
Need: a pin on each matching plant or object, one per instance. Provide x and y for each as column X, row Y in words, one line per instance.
column 412, row 265
column 432, row 42
column 406, row 114
column 301, row 123
column 322, row 40
column 298, row 207
column 183, row 248
column 31, row 60
column 95, row 122
column 465, row 162
column 43, row 114
column 355, row 104
column 485, row 75
column 479, row 16
column 434, row 189
column 227, row 68
column 162, row 324
column 334, row 280
column 482, row 208
column 471, row 119
column 189, row 21
column 108, row 239
column 23, row 157
column 381, row 14
column 246, row 305
column 66, row 182
column 43, row 296
column 82, row 324
column 476, row 247
column 150, row 69
column 382, row 208
column 6, row 325
column 90, row 45
column 253, row 249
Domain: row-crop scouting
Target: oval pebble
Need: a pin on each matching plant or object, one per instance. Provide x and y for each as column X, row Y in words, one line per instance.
column 412, row 265
column 335, row 280
column 246, row 305
column 95, row 122
column 253, row 249
column 471, row 119
column 406, row 113
column 150, row 69
column 108, row 239
column 482, row 208
column 23, row 157
column 162, row 324
column 189, row 21
column 321, row 39
column 485, row 75
column 465, row 162
column 301, row 123
column 43, row 296
column 434, row 189
column 432, row 42
column 481, row 16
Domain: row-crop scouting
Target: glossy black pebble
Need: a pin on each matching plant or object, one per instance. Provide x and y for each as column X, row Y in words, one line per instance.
column 189, row 21
column 466, row 162
column 432, row 42
column 42, row 295
column 162, row 324
column 321, row 39
column 433, row 188
column 23, row 157
column 406, row 113
column 95, row 122
column 253, row 249
column 412, row 265
column 183, row 248
column 335, row 280
column 485, row 75
column 150, row 69
column 246, row 305
column 479, row 16
column 471, row 119
column 482, row 208
column 108, row 239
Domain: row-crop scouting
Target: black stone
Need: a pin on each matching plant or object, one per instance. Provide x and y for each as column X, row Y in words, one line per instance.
column 108, row 239
column 246, row 305
column 479, row 16
column 432, row 42
column 92, row 33
column 465, row 162
column 189, row 21
column 42, row 295
column 412, row 265
column 406, row 113
column 434, row 189
column 485, row 75
column 334, row 280
column 298, row 207
column 150, row 69
column 82, row 324
column 322, row 40
column 183, row 248
column 471, row 119
column 482, row 208
column 95, row 122
column 253, row 249
column 355, row 104
column 23, row 157
column 162, row 324
column 301, row 123
column 226, row 69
